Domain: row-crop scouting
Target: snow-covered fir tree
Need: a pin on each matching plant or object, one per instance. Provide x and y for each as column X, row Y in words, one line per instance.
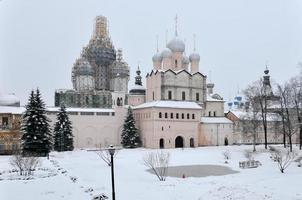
column 36, row 138
column 63, row 138
column 130, row 134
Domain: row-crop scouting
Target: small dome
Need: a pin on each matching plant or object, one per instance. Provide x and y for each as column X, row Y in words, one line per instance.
column 157, row 57
column 176, row 45
column 9, row 100
column 194, row 57
column 185, row 60
column 83, row 67
column 216, row 96
column 166, row 53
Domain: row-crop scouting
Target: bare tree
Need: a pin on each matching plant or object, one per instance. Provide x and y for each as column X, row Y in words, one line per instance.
column 251, row 121
column 296, row 86
column 284, row 157
column 24, row 165
column 105, row 155
column 288, row 117
column 16, row 161
column 158, row 163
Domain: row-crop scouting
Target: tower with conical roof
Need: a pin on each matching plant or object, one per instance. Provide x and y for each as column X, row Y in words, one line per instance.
column 138, row 92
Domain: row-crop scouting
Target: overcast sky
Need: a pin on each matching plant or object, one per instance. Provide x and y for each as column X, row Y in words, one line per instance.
column 40, row 40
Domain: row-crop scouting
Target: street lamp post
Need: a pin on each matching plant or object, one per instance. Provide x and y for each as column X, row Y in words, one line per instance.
column 111, row 150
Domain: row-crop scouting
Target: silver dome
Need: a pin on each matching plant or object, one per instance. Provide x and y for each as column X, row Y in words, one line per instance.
column 157, row 57
column 166, row 53
column 176, row 45
column 185, row 60
column 194, row 57
column 9, row 100
column 83, row 67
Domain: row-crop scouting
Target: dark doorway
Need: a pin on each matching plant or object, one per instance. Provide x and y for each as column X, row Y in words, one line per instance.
column 191, row 142
column 179, row 142
column 226, row 141
column 161, row 143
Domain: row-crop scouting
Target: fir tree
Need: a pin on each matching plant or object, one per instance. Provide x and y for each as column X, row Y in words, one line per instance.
column 36, row 138
column 130, row 134
column 63, row 138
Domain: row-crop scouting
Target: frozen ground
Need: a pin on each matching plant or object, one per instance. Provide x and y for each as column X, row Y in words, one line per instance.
column 133, row 182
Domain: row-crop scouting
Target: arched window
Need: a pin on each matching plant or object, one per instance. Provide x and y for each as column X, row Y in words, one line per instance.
column 209, row 113
column 188, row 116
column 193, row 116
column 166, row 115
column 159, row 115
column 182, row 116
column 214, row 113
column 177, row 115
column 171, row 115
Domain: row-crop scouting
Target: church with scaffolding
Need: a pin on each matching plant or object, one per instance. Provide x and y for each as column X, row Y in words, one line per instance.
column 100, row 76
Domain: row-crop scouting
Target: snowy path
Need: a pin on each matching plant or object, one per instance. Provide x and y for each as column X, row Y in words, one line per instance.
column 134, row 182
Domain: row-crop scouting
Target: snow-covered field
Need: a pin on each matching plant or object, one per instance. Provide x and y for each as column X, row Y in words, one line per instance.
column 133, row 182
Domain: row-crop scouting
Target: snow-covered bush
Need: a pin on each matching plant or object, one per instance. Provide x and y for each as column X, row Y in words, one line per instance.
column 24, row 165
column 248, row 155
column 227, row 155
column 158, row 162
column 284, row 157
column 299, row 160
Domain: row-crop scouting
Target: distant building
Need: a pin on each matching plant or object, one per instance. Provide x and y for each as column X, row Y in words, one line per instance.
column 10, row 120
column 239, row 113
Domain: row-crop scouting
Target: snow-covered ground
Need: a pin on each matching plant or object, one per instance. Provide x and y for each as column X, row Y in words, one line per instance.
column 133, row 182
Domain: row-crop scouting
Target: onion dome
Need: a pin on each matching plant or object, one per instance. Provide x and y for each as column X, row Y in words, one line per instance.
column 185, row 60
column 9, row 100
column 176, row 45
column 166, row 53
column 83, row 67
column 157, row 57
column 194, row 57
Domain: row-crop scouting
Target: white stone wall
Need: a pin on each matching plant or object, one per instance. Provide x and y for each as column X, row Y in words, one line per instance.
column 215, row 134
column 91, row 131
column 214, row 106
column 153, row 128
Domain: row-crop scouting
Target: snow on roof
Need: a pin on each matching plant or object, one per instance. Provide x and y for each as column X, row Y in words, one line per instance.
column 138, row 87
column 169, row 104
column 209, row 98
column 11, row 109
column 20, row 110
column 215, row 120
column 56, row 109
column 9, row 100
column 241, row 114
